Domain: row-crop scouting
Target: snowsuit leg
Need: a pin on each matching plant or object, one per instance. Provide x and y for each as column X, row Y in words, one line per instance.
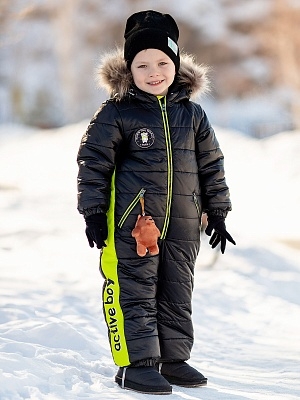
column 129, row 300
column 174, row 300
column 138, row 284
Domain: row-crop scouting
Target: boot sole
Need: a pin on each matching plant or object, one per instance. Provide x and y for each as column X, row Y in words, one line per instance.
column 177, row 382
column 128, row 385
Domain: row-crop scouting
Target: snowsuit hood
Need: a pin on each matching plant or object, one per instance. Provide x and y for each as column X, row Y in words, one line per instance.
column 113, row 75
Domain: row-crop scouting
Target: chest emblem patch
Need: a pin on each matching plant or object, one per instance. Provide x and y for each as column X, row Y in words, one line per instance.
column 144, row 138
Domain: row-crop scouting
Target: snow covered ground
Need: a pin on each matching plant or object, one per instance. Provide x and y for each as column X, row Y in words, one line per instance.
column 53, row 341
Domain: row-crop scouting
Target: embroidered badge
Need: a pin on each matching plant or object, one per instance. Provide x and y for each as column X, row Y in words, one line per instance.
column 144, row 138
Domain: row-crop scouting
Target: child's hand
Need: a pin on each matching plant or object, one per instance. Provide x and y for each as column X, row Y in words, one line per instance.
column 220, row 234
column 96, row 229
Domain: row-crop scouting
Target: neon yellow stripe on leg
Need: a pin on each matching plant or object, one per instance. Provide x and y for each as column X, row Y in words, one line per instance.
column 111, row 294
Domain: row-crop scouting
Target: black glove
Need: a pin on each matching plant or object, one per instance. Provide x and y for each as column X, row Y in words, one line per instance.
column 220, row 234
column 96, row 229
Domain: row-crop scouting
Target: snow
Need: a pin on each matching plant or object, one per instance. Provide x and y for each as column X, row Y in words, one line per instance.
column 246, row 307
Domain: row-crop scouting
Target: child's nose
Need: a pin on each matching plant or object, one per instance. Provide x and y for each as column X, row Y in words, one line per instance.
column 153, row 71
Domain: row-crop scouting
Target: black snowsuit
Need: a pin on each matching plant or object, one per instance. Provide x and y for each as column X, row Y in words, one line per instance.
column 165, row 151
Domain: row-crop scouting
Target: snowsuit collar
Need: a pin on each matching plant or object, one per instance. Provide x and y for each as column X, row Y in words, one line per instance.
column 112, row 74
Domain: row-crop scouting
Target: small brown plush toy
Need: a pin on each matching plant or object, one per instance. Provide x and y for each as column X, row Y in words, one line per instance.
column 146, row 234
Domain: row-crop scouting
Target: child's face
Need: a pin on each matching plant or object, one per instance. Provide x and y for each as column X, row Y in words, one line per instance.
column 153, row 71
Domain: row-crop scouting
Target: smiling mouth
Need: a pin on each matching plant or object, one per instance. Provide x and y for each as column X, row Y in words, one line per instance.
column 155, row 83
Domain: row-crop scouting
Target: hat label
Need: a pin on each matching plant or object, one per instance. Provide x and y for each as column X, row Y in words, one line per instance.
column 173, row 46
column 144, row 138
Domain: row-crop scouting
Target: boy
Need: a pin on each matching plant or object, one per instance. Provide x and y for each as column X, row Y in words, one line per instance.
column 150, row 142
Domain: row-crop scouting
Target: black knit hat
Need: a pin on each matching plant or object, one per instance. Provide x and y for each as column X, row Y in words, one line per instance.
column 151, row 30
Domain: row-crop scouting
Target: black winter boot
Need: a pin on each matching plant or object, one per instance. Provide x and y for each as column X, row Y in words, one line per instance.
column 181, row 374
column 143, row 380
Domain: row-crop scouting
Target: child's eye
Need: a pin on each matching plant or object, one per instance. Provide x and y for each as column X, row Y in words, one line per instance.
column 142, row 66
column 162, row 63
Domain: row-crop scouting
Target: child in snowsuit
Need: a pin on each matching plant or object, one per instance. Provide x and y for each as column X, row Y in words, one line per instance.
column 150, row 141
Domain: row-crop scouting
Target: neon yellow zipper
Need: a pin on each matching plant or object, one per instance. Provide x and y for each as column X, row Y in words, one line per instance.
column 170, row 166
column 131, row 207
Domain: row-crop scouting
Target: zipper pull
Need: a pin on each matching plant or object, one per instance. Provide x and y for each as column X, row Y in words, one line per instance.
column 162, row 103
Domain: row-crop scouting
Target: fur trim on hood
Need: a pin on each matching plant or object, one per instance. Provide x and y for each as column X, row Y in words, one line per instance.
column 112, row 74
